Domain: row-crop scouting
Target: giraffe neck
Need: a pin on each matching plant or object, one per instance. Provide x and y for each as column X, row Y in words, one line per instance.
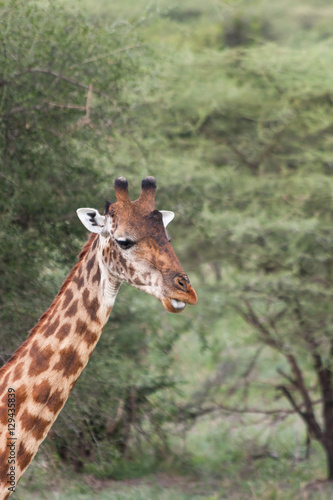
column 43, row 371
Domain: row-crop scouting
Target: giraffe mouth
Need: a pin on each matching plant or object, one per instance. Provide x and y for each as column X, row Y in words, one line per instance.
column 173, row 305
column 177, row 304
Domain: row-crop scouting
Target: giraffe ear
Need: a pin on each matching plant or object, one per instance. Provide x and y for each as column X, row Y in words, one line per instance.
column 167, row 217
column 91, row 219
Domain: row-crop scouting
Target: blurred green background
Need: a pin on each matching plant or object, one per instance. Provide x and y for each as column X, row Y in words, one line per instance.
column 228, row 104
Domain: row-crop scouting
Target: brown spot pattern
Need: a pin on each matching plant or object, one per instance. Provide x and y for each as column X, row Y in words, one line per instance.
column 3, row 415
column 79, row 281
column 97, row 276
column 68, row 296
column 87, row 335
column 69, row 363
column 18, row 372
column 63, row 331
column 21, row 396
column 81, row 327
column 55, row 401
column 40, row 359
column 90, row 265
column 35, row 424
column 71, row 311
column 23, row 457
column 91, row 306
column 51, row 328
column 41, row 392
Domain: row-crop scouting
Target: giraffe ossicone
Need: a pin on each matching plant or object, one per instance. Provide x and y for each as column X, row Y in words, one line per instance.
column 128, row 243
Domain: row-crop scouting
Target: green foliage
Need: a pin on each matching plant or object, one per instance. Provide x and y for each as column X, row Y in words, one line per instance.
column 128, row 493
column 248, row 131
column 232, row 112
column 61, row 102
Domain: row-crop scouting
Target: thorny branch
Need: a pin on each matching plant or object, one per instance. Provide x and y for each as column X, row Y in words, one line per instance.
column 108, row 54
column 86, row 119
column 51, row 73
column 251, row 318
column 187, row 413
column 307, row 414
column 324, row 374
column 65, row 106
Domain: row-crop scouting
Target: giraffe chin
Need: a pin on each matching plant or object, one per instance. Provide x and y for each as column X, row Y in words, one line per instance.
column 173, row 305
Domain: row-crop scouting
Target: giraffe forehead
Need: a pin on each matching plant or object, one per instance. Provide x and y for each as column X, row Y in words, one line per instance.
column 138, row 223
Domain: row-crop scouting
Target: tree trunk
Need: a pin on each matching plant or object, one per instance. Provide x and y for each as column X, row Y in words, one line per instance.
column 329, row 458
column 325, row 381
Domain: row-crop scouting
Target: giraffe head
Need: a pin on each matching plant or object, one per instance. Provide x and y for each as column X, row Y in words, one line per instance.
column 135, row 246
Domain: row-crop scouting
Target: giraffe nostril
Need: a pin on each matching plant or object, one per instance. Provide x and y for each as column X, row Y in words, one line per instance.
column 182, row 282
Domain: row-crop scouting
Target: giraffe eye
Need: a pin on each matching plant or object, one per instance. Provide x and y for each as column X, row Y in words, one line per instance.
column 125, row 243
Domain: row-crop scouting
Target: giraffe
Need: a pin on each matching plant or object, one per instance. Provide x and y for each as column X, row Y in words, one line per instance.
column 128, row 243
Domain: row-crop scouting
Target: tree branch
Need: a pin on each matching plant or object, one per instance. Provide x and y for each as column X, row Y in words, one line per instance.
column 325, row 382
column 86, row 119
column 324, row 374
column 108, row 54
column 308, row 415
column 65, row 106
column 251, row 318
column 186, row 413
column 286, row 376
column 298, row 382
column 253, row 165
column 51, row 73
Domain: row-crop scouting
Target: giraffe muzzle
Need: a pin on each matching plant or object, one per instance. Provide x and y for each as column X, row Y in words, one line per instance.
column 184, row 294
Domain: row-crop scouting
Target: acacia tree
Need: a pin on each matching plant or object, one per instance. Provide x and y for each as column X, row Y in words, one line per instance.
column 261, row 217
column 281, row 315
column 280, row 241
